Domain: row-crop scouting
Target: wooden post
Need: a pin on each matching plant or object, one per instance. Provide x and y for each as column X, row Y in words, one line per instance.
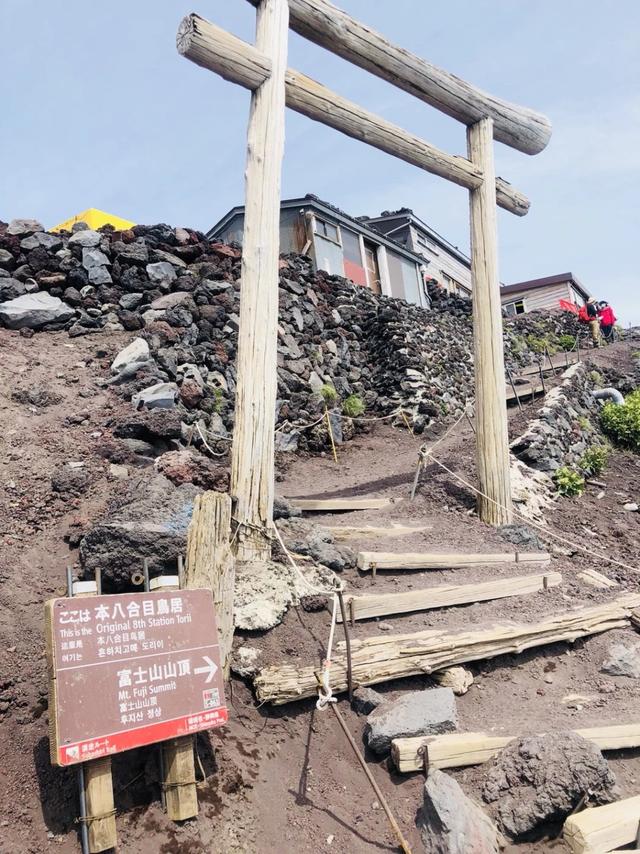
column 492, row 443
column 178, row 763
column 252, row 460
column 210, row 562
column 98, row 783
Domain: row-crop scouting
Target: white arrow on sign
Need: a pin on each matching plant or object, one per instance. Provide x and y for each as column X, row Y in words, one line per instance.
column 211, row 669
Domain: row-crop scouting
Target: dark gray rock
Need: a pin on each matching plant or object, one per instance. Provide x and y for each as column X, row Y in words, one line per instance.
column 451, row 823
column 283, row 509
column 7, row 261
column 161, row 273
column 11, row 289
column 131, row 301
column 623, row 661
column 158, row 396
column 427, row 712
column 537, row 780
column 93, row 258
column 365, row 700
column 34, row 311
column 151, row 524
column 520, row 535
column 24, row 227
column 86, row 238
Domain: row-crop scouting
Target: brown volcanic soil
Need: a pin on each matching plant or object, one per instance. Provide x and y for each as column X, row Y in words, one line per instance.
column 282, row 779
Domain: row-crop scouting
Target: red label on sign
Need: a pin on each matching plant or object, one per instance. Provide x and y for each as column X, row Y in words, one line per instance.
column 133, row 669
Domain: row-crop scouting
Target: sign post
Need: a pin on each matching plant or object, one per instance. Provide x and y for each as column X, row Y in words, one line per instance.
column 131, row 669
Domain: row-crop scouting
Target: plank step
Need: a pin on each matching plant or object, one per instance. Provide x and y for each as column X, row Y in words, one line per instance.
column 333, row 505
column 426, row 560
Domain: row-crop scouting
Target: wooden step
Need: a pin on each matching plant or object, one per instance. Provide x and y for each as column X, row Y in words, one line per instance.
column 344, row 532
column 524, row 390
column 606, row 828
column 461, row 749
column 383, row 604
column 333, row 505
column 435, row 560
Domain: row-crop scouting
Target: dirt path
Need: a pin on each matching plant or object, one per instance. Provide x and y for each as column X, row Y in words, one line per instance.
column 284, row 778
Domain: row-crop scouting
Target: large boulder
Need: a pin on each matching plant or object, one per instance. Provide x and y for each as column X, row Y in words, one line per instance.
column 151, row 524
column 451, row 823
column 538, row 780
column 415, row 713
column 24, row 227
column 34, row 310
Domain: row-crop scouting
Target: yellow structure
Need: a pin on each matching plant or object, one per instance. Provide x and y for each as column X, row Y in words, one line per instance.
column 94, row 219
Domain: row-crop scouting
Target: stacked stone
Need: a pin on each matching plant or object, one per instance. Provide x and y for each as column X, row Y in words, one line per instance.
column 180, row 294
column 566, row 426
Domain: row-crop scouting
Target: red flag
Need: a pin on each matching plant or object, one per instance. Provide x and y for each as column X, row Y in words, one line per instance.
column 568, row 306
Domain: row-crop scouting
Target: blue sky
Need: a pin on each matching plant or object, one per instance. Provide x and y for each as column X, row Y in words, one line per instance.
column 99, row 110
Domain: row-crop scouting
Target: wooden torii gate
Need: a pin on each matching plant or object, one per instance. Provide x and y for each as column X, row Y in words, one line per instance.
column 262, row 68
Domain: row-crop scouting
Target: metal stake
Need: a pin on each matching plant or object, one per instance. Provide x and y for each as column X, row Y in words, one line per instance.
column 347, row 641
column 513, row 386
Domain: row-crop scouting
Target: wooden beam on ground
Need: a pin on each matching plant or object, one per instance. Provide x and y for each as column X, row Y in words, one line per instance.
column 335, row 505
column 252, row 453
column 210, row 562
column 606, row 828
column 216, row 50
column 523, row 390
column 460, row 749
column 384, row 657
column 492, row 440
column 384, row 604
column 433, row 560
column 345, row 532
column 596, row 579
column 326, row 25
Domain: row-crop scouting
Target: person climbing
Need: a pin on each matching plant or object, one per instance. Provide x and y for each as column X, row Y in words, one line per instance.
column 607, row 320
column 594, row 323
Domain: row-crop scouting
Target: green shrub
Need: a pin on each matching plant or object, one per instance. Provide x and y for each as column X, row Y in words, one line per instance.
column 329, row 394
column 585, row 424
column 518, row 345
column 353, row 406
column 568, row 482
column 622, row 423
column 566, row 342
column 540, row 344
column 594, row 460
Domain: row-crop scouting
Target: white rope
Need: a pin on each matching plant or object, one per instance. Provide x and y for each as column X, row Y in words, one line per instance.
column 325, row 694
column 204, row 442
column 338, row 584
column 533, row 524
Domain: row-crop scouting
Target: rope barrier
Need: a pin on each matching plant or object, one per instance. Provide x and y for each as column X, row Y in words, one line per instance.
column 533, row 524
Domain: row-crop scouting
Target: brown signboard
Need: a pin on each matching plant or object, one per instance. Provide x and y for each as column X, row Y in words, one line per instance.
column 131, row 669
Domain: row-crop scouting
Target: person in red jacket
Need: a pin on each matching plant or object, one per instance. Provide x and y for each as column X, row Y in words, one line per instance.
column 607, row 320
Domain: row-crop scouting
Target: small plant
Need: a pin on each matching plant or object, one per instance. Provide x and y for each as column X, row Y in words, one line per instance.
column 329, row 394
column 353, row 406
column 568, row 482
column 594, row 460
column 596, row 378
column 585, row 424
column 566, row 342
column 536, row 344
column 518, row 345
column 622, row 422
column 218, row 400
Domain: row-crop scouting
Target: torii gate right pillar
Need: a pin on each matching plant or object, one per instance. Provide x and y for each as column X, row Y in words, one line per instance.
column 492, row 440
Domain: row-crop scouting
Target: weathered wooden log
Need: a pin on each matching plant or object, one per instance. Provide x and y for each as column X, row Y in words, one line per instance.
column 326, row 25
column 384, row 657
column 460, row 749
column 253, row 451
column 216, row 50
column 382, row 604
column 433, row 560
column 600, row 829
column 492, row 440
column 210, row 562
